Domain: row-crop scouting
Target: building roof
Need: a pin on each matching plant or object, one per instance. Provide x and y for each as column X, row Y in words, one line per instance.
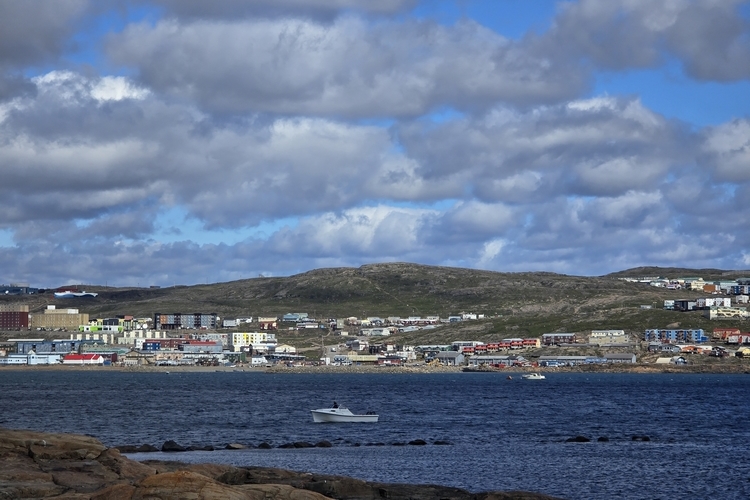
column 620, row 355
column 81, row 357
column 449, row 354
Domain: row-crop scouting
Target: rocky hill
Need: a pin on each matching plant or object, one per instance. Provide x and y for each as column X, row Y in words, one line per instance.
column 528, row 303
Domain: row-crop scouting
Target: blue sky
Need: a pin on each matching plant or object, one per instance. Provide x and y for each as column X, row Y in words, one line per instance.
column 183, row 141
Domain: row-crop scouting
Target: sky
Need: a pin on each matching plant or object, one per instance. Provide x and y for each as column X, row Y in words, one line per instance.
column 163, row 142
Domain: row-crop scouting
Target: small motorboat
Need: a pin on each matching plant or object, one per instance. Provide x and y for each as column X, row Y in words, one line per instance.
column 341, row 414
column 533, row 376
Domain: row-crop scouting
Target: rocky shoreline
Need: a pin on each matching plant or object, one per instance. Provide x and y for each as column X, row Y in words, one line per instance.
column 77, row 467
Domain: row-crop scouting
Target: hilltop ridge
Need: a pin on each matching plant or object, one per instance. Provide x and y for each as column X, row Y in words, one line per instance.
column 518, row 303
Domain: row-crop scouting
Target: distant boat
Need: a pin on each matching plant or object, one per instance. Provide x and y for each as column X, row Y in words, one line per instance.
column 341, row 414
column 69, row 294
column 533, row 376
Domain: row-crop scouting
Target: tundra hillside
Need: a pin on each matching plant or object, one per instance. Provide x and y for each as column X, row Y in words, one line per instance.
column 523, row 304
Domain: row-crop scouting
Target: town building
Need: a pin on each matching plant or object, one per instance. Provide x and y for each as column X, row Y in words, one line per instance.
column 177, row 321
column 675, row 336
column 450, row 358
column 607, row 337
column 258, row 341
column 558, row 338
column 721, row 313
column 83, row 359
column 59, row 319
column 14, row 317
column 267, row 323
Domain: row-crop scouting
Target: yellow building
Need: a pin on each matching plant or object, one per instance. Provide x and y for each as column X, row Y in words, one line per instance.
column 260, row 341
column 53, row 318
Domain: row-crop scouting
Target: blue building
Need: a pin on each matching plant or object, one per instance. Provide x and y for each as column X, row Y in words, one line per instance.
column 696, row 336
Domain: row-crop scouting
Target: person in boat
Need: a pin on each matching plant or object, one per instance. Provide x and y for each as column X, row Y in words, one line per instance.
column 335, row 404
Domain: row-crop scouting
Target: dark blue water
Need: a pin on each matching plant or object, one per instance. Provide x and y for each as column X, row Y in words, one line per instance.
column 504, row 434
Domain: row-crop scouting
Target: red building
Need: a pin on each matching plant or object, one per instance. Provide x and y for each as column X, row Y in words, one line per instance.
column 14, row 320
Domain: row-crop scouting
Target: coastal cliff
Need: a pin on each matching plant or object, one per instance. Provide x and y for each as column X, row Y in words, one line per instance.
column 73, row 467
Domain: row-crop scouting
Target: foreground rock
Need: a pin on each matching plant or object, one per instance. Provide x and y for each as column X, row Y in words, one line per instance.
column 43, row 465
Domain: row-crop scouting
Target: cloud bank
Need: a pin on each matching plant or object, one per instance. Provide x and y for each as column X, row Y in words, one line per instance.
column 293, row 135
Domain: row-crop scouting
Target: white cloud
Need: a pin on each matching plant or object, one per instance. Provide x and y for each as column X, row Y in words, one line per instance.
column 117, row 88
column 348, row 68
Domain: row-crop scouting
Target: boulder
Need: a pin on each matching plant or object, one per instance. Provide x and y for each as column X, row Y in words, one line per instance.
column 123, row 466
column 185, row 484
column 264, row 446
column 146, row 448
column 126, row 448
column 323, row 444
column 171, row 446
column 603, row 439
column 303, row 444
column 578, row 439
column 417, row 442
column 46, row 446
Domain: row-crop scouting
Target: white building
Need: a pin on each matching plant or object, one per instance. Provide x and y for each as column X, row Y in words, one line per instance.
column 30, row 359
column 376, row 332
column 258, row 361
column 285, row 349
column 260, row 341
column 725, row 313
column 602, row 337
column 704, row 302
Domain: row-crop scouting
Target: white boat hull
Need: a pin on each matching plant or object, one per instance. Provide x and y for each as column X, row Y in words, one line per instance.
column 341, row 415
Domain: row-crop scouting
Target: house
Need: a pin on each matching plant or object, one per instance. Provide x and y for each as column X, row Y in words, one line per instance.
column 286, row 349
column 558, row 338
column 450, row 358
column 661, row 347
column 267, row 323
column 258, row 361
column 134, row 358
column 685, row 305
column 83, row 359
column 294, row 317
column 375, row 332
column 390, row 360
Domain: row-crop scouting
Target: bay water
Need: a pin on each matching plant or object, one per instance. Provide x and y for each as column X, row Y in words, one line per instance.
column 662, row 435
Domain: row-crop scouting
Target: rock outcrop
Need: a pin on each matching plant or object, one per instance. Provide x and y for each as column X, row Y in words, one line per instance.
column 76, row 467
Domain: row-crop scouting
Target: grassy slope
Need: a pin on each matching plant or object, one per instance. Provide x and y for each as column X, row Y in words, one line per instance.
column 517, row 304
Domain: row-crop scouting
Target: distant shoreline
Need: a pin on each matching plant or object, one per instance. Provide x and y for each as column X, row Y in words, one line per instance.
column 704, row 368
